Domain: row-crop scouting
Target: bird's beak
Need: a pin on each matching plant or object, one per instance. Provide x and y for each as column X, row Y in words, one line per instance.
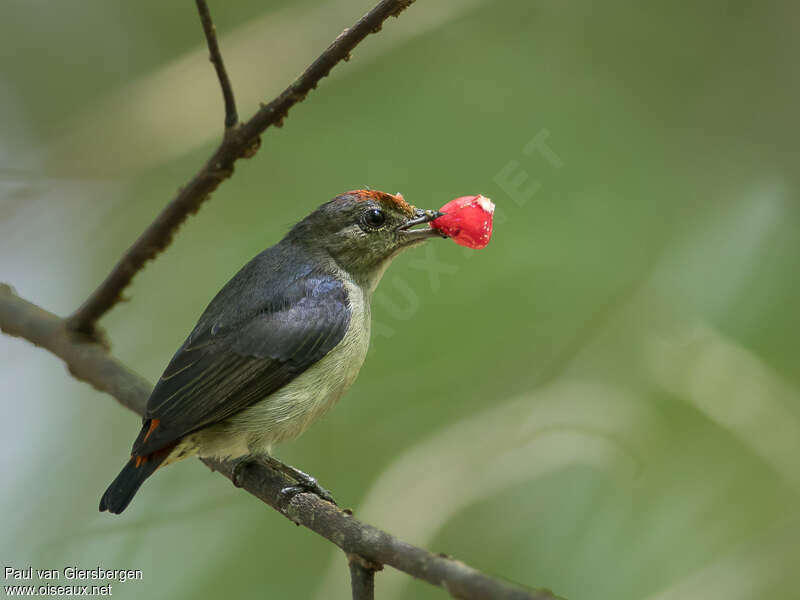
column 420, row 217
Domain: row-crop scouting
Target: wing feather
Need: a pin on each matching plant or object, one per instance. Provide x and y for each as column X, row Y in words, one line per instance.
column 228, row 364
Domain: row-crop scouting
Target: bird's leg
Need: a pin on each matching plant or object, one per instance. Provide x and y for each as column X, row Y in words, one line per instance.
column 305, row 482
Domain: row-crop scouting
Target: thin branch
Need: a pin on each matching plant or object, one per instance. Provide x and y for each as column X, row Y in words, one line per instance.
column 240, row 142
column 362, row 577
column 91, row 362
column 231, row 117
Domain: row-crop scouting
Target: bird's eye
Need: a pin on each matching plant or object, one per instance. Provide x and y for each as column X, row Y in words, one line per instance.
column 374, row 218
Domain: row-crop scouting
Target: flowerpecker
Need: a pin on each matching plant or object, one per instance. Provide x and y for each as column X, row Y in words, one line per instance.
column 278, row 345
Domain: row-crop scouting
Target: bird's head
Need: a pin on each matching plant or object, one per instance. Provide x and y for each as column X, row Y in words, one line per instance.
column 364, row 230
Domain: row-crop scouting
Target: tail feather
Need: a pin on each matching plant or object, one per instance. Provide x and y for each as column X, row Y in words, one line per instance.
column 122, row 490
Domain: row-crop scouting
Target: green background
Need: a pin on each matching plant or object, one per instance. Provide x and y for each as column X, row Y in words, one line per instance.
column 604, row 402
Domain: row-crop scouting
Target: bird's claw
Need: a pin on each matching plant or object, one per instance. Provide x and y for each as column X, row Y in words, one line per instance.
column 304, row 483
column 307, row 484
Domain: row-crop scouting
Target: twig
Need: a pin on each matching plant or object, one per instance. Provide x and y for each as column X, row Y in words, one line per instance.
column 362, row 577
column 241, row 142
column 91, row 362
column 231, row 117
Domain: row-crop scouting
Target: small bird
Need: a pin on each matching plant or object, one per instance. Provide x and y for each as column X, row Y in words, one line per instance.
column 278, row 345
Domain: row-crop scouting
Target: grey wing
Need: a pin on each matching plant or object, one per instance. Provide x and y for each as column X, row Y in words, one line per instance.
column 222, row 369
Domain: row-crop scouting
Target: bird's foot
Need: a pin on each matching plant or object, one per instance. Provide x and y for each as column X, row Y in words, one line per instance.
column 305, row 483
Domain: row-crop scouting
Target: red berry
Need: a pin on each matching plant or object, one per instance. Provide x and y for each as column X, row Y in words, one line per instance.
column 467, row 220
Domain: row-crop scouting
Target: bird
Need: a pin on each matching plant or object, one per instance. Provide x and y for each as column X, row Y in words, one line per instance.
column 278, row 345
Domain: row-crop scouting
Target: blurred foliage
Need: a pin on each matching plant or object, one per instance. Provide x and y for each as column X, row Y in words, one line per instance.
column 604, row 401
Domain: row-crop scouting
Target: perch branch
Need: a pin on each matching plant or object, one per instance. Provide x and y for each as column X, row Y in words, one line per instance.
column 239, row 142
column 89, row 361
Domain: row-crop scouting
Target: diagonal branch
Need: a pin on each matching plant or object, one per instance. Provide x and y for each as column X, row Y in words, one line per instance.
column 85, row 360
column 90, row 362
column 239, row 142
column 231, row 117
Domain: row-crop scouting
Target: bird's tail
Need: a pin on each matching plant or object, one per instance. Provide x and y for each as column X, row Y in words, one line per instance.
column 122, row 490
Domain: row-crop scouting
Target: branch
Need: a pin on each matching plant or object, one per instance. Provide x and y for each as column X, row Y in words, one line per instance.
column 85, row 359
column 231, row 117
column 240, row 142
column 90, row 362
